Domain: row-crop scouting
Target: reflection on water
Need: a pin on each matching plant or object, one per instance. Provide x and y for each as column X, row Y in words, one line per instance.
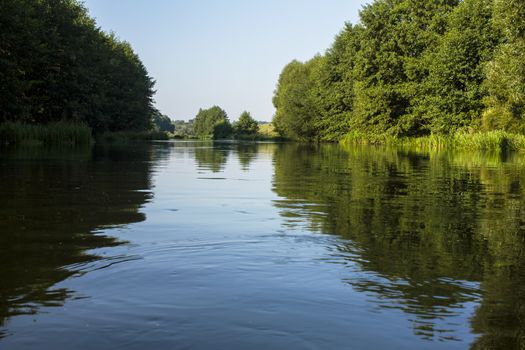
column 255, row 245
column 54, row 201
column 432, row 232
column 246, row 153
column 210, row 158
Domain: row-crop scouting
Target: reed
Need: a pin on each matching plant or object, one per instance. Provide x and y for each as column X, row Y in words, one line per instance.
column 483, row 141
column 57, row 133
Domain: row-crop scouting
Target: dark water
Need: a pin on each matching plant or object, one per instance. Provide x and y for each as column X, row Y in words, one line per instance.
column 261, row 246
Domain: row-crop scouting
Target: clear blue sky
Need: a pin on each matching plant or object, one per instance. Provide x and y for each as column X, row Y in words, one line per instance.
column 222, row 52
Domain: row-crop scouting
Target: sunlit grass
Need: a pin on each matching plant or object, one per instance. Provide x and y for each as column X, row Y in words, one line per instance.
column 484, row 141
column 266, row 133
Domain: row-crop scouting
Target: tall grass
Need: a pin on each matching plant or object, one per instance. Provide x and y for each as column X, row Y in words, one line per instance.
column 58, row 133
column 483, row 141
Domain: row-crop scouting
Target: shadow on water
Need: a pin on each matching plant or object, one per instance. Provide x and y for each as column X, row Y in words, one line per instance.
column 55, row 204
column 425, row 233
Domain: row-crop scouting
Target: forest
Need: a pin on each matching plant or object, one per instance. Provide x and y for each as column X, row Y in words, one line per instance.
column 411, row 68
column 57, row 65
column 63, row 79
column 213, row 123
column 407, row 69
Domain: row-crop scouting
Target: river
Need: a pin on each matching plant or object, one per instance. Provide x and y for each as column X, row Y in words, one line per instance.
column 202, row 245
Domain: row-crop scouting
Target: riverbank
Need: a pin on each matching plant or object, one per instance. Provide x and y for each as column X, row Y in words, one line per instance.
column 58, row 133
column 483, row 141
column 77, row 134
column 65, row 133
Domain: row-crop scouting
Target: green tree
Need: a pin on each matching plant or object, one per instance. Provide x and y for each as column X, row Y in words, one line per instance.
column 396, row 37
column 246, row 125
column 334, row 90
column 454, row 90
column 162, row 122
column 222, row 130
column 212, row 123
column 56, row 64
column 183, row 129
column 506, row 72
column 296, row 113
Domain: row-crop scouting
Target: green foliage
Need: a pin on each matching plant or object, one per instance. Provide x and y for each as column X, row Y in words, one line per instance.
column 56, row 64
column 506, row 85
column 396, row 38
column 296, row 114
column 334, row 91
column 222, row 130
column 56, row 133
column 509, row 16
column 212, row 123
column 162, row 122
column 494, row 141
column 268, row 130
column 506, row 72
column 246, row 125
column 183, row 129
column 411, row 68
column 454, row 90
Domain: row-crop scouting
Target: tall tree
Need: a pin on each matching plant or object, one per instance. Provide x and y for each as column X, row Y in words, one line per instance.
column 396, row 37
column 246, row 125
column 506, row 73
column 212, row 123
column 162, row 122
column 296, row 114
column 454, row 91
column 334, row 91
column 56, row 64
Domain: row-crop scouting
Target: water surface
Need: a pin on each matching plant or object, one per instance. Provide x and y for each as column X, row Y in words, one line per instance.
column 195, row 245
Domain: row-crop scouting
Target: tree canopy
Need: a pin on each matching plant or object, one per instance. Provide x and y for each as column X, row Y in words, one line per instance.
column 162, row 122
column 411, row 68
column 296, row 110
column 506, row 72
column 246, row 125
column 57, row 64
column 212, row 123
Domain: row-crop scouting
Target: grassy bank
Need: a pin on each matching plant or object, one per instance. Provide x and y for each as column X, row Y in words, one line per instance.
column 67, row 134
column 484, row 141
column 58, row 133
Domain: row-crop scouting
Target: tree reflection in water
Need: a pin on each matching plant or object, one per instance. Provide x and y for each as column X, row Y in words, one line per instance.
column 426, row 233
column 56, row 203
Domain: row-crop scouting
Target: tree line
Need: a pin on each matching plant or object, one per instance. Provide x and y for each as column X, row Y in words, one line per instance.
column 213, row 123
column 56, row 64
column 411, row 68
